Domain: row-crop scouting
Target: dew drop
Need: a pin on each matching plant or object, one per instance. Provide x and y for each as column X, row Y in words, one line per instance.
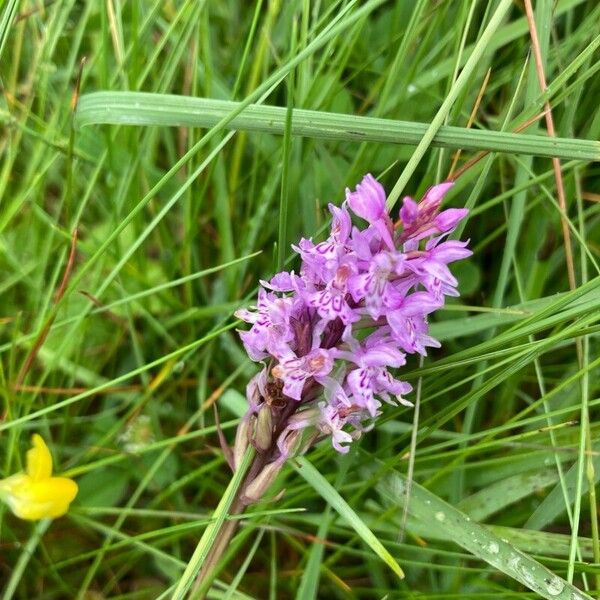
column 554, row 586
column 493, row 548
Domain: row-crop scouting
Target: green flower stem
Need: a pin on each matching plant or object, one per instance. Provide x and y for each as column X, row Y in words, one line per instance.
column 208, row 550
column 208, row 570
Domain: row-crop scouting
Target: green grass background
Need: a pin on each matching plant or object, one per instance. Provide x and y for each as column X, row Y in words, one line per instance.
column 182, row 205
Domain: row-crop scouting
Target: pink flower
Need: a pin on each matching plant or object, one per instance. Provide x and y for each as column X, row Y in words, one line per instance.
column 368, row 202
column 294, row 371
column 324, row 377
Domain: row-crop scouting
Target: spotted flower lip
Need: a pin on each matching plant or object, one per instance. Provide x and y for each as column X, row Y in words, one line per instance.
column 36, row 494
column 332, row 335
column 295, row 371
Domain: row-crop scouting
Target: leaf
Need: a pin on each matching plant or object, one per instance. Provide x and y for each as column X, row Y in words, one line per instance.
column 7, row 20
column 167, row 110
column 500, row 494
column 311, row 572
column 331, row 495
column 103, row 487
column 479, row 540
column 553, row 504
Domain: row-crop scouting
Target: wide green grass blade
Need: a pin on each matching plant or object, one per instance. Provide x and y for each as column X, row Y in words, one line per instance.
column 479, row 541
column 166, row 110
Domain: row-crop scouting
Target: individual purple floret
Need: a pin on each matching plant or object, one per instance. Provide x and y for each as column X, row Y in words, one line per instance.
column 328, row 335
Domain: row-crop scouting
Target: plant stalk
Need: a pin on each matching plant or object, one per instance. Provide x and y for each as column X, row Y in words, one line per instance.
column 209, row 538
column 208, row 567
column 208, row 570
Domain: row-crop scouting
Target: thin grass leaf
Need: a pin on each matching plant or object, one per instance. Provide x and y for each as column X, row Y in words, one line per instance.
column 78, row 397
column 7, row 21
column 333, row 498
column 444, row 110
column 26, row 553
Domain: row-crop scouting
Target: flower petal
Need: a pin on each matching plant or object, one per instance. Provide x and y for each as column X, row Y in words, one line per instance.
column 368, row 201
column 39, row 459
column 44, row 499
column 35, row 494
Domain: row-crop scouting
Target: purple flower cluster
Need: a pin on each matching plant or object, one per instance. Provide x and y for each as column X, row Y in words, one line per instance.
column 328, row 335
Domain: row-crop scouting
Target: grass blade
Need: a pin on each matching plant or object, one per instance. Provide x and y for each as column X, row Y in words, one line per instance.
column 332, row 496
column 6, row 21
column 448, row 103
column 167, row 110
column 480, row 541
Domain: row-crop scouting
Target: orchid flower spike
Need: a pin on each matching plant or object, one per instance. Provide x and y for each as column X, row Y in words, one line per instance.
column 35, row 494
column 332, row 336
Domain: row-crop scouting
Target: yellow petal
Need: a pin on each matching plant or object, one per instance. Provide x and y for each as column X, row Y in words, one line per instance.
column 38, row 499
column 39, row 460
column 35, row 494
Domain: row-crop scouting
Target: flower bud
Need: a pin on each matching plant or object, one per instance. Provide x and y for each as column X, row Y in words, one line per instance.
column 264, row 429
column 258, row 486
column 368, row 201
column 289, row 443
column 433, row 197
column 450, row 218
column 242, row 436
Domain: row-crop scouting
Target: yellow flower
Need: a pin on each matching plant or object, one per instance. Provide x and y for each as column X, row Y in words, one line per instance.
column 35, row 494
